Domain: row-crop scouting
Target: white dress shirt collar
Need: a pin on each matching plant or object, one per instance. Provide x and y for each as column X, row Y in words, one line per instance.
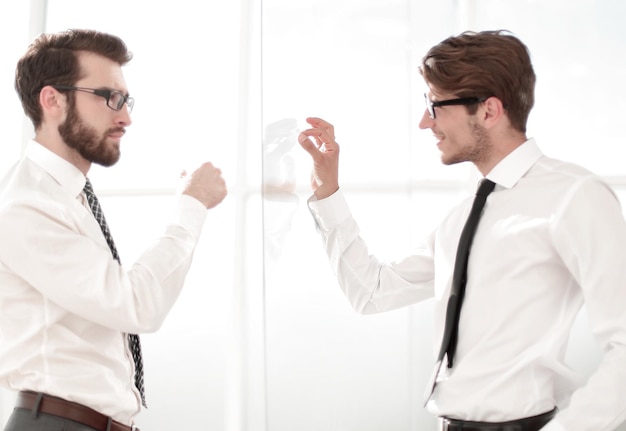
column 69, row 177
column 513, row 167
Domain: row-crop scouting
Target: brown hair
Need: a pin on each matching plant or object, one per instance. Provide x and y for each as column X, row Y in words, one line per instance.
column 51, row 59
column 485, row 64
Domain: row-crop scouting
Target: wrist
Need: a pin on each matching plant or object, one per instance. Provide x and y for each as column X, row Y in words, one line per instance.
column 322, row 192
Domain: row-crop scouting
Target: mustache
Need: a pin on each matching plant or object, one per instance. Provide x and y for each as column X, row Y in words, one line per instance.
column 121, row 130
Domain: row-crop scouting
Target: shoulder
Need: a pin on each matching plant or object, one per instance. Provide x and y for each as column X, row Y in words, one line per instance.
column 562, row 175
column 28, row 188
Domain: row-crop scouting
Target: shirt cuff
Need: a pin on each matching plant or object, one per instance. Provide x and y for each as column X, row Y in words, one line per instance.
column 190, row 214
column 331, row 211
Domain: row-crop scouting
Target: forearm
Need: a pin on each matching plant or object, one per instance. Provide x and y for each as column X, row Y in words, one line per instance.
column 369, row 284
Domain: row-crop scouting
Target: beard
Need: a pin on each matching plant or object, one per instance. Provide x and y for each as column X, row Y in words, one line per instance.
column 476, row 151
column 84, row 139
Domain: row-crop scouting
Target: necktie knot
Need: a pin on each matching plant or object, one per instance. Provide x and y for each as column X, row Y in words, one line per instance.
column 485, row 187
column 88, row 189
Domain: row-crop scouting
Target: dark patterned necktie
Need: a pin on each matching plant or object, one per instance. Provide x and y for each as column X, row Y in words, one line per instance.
column 133, row 339
column 459, row 279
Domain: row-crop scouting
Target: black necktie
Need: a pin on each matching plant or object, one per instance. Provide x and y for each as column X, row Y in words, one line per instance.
column 457, row 292
column 133, row 339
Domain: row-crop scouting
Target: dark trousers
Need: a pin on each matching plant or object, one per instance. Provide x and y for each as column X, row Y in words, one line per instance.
column 27, row 420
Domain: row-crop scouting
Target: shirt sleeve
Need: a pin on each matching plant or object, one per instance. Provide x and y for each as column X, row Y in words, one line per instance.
column 370, row 284
column 590, row 237
column 57, row 249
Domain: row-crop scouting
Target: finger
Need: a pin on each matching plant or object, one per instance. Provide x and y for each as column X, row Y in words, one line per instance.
column 316, row 134
column 308, row 145
column 321, row 136
column 319, row 123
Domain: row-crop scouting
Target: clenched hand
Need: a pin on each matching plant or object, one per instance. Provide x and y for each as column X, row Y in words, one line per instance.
column 207, row 185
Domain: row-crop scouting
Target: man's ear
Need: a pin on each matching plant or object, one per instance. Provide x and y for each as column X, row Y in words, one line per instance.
column 493, row 112
column 53, row 103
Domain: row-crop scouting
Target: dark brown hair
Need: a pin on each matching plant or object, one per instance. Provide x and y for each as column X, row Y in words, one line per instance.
column 51, row 59
column 484, row 64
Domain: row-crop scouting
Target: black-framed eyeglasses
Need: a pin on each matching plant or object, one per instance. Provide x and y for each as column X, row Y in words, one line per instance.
column 115, row 99
column 430, row 105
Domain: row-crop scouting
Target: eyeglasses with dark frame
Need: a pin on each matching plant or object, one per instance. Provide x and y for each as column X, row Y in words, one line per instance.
column 115, row 99
column 430, row 105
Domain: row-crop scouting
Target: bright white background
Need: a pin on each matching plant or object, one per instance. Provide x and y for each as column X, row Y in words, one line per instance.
column 261, row 338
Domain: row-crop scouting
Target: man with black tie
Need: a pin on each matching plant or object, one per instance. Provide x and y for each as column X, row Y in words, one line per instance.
column 510, row 279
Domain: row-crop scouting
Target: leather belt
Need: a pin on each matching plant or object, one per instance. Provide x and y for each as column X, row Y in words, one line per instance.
column 68, row 410
column 534, row 423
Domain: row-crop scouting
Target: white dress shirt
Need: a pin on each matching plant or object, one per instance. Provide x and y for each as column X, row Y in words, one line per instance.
column 551, row 237
column 66, row 303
